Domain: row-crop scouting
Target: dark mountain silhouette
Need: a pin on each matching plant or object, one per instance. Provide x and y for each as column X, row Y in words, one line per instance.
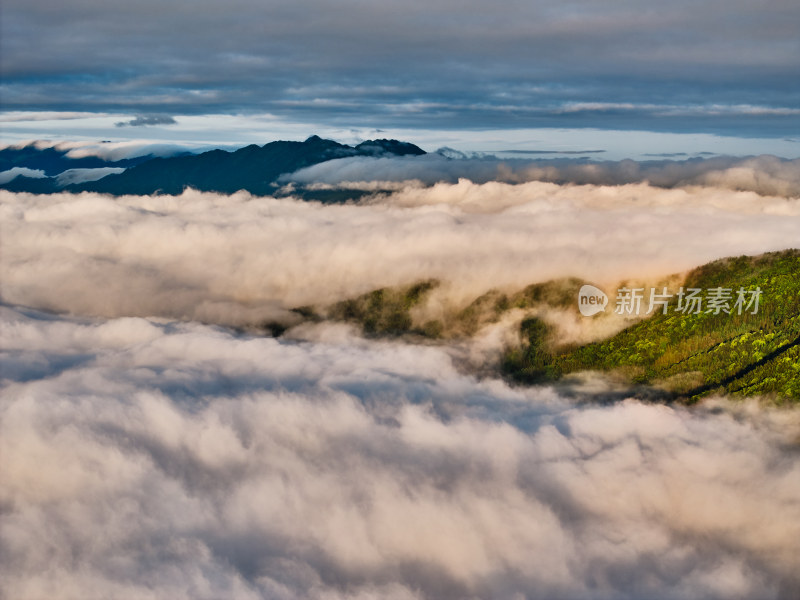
column 33, row 185
column 252, row 168
column 379, row 147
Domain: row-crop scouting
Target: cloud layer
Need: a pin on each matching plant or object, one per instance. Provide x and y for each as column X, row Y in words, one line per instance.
column 627, row 65
column 767, row 175
column 71, row 176
column 146, row 455
column 150, row 459
column 11, row 174
column 239, row 260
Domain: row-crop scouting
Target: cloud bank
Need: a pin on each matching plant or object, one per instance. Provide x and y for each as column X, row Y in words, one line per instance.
column 146, row 455
column 767, row 175
column 239, row 260
column 150, row 459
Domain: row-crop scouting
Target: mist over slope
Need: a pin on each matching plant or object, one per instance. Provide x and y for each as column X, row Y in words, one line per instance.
column 737, row 344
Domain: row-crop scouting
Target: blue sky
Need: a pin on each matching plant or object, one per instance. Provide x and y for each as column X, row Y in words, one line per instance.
column 467, row 70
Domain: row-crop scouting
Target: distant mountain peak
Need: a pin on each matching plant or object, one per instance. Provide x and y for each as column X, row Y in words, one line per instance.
column 384, row 146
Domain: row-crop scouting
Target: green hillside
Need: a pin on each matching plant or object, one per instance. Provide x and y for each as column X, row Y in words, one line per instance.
column 696, row 354
column 745, row 351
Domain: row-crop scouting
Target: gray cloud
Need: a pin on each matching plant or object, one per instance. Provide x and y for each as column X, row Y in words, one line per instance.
column 152, row 459
column 13, row 173
column 767, row 175
column 717, row 67
column 71, row 176
column 147, row 120
column 62, row 179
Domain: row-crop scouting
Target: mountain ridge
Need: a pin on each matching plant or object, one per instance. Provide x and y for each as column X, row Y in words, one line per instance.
column 251, row 168
column 671, row 356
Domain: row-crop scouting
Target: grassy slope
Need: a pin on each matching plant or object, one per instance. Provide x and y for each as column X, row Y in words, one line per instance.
column 697, row 354
column 689, row 354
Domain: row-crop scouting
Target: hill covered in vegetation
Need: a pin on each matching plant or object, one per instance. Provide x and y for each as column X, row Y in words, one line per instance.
column 745, row 349
column 754, row 351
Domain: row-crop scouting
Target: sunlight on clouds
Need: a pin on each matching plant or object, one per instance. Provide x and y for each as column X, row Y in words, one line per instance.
column 132, row 471
column 239, row 260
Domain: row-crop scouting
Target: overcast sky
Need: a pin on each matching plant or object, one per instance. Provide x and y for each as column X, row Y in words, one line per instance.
column 727, row 67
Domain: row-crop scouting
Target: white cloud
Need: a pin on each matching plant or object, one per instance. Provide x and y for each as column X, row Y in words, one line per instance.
column 152, row 459
column 767, row 175
column 157, row 457
column 241, row 260
column 13, row 173
column 71, row 176
column 111, row 151
column 118, row 150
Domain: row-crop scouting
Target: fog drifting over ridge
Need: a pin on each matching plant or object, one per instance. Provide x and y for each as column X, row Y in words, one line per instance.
column 150, row 459
column 766, row 175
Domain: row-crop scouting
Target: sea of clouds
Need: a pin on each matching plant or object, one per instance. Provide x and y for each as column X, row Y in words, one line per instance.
column 150, row 451
column 146, row 458
column 238, row 259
